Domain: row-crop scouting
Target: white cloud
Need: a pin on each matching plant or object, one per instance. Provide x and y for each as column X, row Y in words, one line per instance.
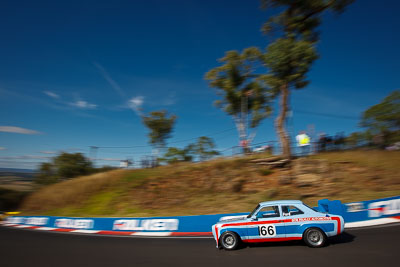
column 2, row 148
column 52, row 94
column 74, row 149
column 110, row 80
column 83, row 104
column 48, row 152
column 136, row 104
column 170, row 99
column 24, row 157
column 14, row 129
column 108, row 159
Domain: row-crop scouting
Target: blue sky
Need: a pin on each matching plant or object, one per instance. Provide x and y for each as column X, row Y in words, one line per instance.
column 72, row 73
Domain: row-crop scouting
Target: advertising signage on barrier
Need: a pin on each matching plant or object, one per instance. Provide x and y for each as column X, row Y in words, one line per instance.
column 147, row 225
column 381, row 209
column 15, row 220
column 355, row 207
column 74, row 223
column 384, row 208
column 40, row 221
column 185, row 224
column 377, row 208
column 363, row 210
column 36, row 220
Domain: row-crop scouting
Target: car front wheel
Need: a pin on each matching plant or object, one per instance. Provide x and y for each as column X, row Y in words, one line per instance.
column 314, row 237
column 229, row 240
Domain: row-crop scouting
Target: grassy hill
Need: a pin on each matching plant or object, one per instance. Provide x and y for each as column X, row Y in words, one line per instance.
column 221, row 186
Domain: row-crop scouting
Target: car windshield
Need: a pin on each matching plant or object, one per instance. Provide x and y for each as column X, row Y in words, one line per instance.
column 254, row 211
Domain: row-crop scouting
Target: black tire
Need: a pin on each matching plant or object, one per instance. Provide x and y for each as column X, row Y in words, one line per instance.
column 229, row 240
column 314, row 237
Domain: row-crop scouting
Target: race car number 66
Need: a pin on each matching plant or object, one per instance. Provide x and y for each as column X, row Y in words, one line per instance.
column 267, row 230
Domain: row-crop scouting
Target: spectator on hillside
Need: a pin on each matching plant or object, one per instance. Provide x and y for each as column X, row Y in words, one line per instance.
column 339, row 140
column 328, row 142
column 321, row 142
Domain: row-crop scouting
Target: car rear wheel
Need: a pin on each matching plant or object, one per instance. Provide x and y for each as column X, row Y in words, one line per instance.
column 229, row 240
column 314, row 237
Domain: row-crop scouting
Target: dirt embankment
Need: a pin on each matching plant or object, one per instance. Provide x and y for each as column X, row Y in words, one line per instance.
column 222, row 185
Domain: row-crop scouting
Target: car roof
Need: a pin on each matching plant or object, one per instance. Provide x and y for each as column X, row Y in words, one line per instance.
column 281, row 202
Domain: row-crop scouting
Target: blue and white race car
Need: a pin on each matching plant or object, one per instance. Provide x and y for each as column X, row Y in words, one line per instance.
column 278, row 221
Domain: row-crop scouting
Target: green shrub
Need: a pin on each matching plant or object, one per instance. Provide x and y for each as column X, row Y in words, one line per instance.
column 265, row 171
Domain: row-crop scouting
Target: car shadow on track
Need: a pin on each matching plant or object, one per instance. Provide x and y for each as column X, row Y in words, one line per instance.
column 273, row 244
column 341, row 239
column 335, row 240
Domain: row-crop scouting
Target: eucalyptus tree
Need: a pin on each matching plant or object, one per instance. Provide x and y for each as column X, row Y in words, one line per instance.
column 204, row 148
column 175, row 154
column 289, row 57
column 243, row 94
column 160, row 125
column 383, row 119
column 384, row 116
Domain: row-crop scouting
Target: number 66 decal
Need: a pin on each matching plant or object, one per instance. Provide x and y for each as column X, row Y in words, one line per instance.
column 267, row 230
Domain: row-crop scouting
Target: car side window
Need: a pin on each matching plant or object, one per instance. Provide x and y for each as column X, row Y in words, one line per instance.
column 268, row 212
column 291, row 210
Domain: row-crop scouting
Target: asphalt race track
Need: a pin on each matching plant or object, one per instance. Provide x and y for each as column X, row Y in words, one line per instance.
column 360, row 247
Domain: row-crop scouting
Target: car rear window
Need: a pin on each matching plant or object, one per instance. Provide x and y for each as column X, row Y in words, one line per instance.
column 291, row 210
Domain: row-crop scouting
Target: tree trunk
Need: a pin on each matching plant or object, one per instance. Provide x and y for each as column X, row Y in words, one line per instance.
column 280, row 122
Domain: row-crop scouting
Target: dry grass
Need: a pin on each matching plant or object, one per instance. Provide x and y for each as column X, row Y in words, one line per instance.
column 364, row 174
column 388, row 160
column 218, row 186
column 71, row 192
